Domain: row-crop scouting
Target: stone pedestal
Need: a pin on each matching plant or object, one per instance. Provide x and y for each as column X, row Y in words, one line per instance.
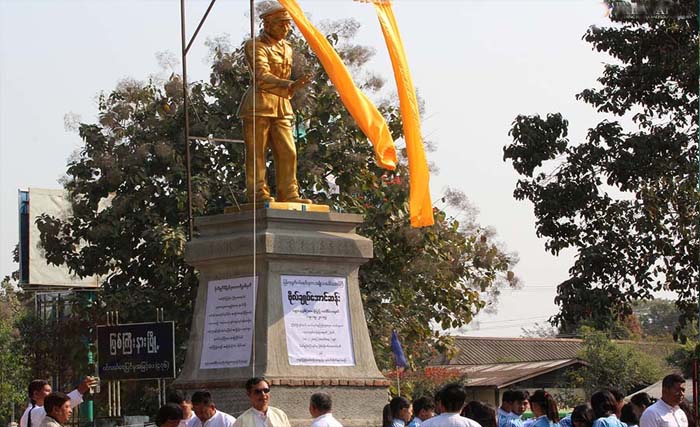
column 285, row 243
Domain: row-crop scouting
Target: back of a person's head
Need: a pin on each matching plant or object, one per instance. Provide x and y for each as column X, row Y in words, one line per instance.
column 507, row 396
column 642, row 400
column 36, row 385
column 519, row 395
column 54, row 400
column 628, row 416
column 583, row 414
column 177, row 396
column 452, row 397
column 603, row 403
column 392, row 410
column 671, row 380
column 480, row 412
column 617, row 394
column 546, row 401
column 202, row 397
column 423, row 403
column 169, row 412
column 322, row 401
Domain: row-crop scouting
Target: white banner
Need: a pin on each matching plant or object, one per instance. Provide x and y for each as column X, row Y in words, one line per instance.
column 229, row 323
column 317, row 321
column 55, row 203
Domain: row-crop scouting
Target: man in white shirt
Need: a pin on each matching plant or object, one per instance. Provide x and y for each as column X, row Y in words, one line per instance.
column 261, row 414
column 666, row 412
column 182, row 399
column 206, row 412
column 450, row 401
column 320, row 406
column 38, row 390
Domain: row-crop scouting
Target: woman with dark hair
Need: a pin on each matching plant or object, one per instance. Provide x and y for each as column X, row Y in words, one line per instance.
column 397, row 413
column 640, row 402
column 628, row 416
column 545, row 409
column 480, row 412
column 604, row 407
column 169, row 415
column 582, row 416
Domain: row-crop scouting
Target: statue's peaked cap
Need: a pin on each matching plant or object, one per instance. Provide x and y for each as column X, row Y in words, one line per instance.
column 275, row 13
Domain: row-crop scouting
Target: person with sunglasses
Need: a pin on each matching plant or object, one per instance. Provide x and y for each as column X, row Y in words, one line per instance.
column 261, row 414
column 206, row 412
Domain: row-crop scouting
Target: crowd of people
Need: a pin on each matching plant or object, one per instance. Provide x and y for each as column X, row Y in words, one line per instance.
column 606, row 408
column 448, row 408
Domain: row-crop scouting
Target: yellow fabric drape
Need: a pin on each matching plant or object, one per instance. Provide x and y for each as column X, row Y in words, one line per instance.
column 366, row 115
column 420, row 204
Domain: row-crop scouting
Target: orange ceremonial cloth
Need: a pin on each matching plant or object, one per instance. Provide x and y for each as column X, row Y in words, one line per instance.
column 420, row 204
column 366, row 115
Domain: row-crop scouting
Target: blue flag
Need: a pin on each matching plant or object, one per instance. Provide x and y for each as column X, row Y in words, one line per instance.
column 396, row 349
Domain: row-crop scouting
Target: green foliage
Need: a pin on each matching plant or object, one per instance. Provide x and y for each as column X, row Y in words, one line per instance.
column 658, row 318
column 625, row 200
column 14, row 372
column 129, row 199
column 684, row 358
column 613, row 365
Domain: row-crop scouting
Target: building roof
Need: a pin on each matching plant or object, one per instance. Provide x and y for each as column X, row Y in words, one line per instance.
column 485, row 351
column 489, row 350
column 501, row 375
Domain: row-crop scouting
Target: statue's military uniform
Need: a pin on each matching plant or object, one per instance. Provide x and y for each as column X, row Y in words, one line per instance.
column 266, row 112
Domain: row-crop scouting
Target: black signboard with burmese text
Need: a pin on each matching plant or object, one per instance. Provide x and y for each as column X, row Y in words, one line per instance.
column 136, row 351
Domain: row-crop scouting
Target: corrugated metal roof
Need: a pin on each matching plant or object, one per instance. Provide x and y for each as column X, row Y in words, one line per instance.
column 504, row 374
column 482, row 351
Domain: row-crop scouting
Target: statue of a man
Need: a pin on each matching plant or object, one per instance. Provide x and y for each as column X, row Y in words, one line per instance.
column 266, row 111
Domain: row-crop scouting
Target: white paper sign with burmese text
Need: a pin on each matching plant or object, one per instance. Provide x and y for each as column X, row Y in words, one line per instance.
column 228, row 324
column 317, row 321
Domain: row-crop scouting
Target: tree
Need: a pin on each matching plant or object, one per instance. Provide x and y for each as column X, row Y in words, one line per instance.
column 127, row 186
column 612, row 365
column 625, row 200
column 658, row 319
column 13, row 363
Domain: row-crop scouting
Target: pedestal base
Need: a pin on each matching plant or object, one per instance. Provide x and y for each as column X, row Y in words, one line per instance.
column 285, row 243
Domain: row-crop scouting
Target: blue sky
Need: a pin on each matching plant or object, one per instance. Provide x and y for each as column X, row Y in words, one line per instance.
column 476, row 64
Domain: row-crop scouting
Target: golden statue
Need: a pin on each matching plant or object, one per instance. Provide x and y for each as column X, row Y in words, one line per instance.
column 266, row 111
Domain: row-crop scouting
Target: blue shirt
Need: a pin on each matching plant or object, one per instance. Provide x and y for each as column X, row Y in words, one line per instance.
column 543, row 421
column 416, row 422
column 610, row 421
column 515, row 421
column 504, row 417
column 566, row 421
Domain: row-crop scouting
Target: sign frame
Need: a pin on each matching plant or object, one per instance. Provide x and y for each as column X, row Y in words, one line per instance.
column 102, row 360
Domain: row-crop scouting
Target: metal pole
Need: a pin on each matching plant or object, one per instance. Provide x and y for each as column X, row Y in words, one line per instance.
column 255, row 213
column 187, row 121
column 398, row 381
column 695, row 388
column 109, row 399
column 119, row 400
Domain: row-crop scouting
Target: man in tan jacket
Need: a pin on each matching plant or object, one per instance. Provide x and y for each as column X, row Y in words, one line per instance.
column 266, row 111
column 261, row 414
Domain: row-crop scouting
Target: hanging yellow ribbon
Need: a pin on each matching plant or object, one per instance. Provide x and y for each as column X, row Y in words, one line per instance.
column 420, row 204
column 366, row 115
